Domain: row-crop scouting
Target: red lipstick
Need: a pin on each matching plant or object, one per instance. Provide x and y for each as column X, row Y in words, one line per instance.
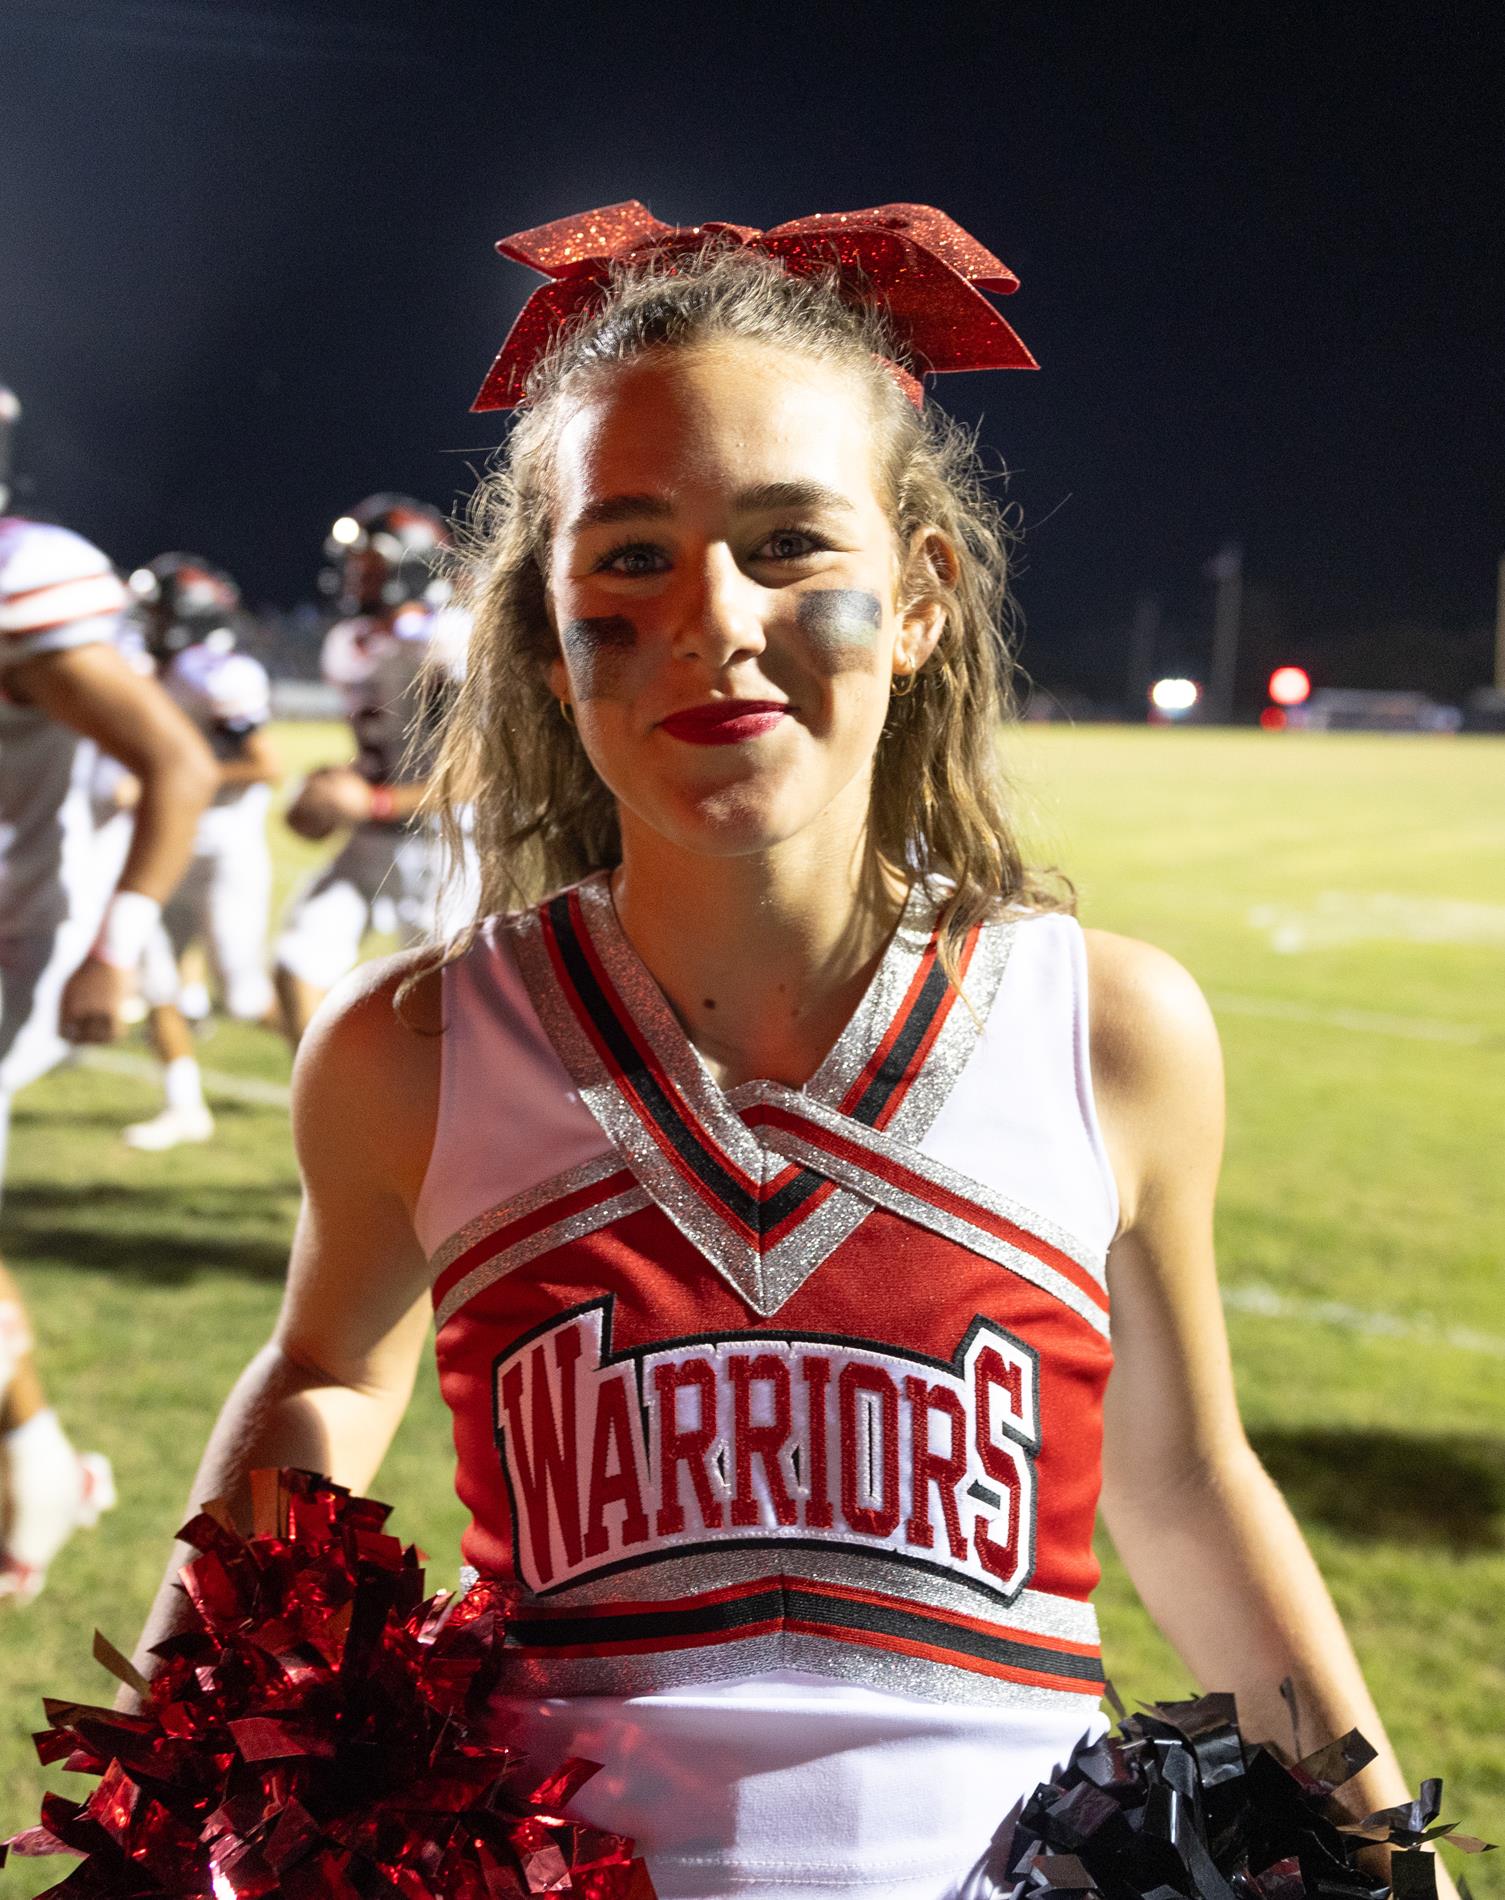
column 725, row 721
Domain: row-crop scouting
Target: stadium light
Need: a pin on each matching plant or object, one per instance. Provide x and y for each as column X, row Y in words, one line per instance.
column 1174, row 698
column 346, row 531
column 1290, row 686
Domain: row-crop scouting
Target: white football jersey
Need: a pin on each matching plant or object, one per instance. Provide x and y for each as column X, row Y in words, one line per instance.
column 227, row 695
column 57, row 591
column 391, row 675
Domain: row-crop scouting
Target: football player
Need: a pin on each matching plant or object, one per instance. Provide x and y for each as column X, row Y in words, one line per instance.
column 187, row 611
column 70, row 940
column 390, row 658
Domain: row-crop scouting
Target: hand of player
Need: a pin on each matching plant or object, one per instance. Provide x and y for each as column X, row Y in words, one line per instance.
column 328, row 798
column 92, row 1001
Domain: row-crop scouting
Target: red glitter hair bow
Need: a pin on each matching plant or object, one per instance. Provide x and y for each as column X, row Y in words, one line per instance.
column 925, row 270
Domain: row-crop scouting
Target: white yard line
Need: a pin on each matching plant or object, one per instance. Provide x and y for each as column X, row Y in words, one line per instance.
column 1265, row 1303
column 1365, row 1022
column 1335, row 918
column 233, row 1088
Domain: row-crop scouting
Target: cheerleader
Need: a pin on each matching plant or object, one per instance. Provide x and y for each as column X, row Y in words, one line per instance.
column 772, row 1153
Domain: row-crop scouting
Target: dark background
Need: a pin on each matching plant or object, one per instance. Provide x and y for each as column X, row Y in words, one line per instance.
column 246, row 274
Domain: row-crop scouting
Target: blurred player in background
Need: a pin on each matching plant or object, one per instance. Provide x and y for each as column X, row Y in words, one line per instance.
column 70, row 938
column 391, row 658
column 186, row 610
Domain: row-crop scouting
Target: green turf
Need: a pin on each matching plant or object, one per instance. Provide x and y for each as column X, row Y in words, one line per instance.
column 1362, row 1169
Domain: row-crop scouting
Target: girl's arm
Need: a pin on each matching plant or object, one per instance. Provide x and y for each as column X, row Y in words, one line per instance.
column 329, row 1388
column 1206, row 1537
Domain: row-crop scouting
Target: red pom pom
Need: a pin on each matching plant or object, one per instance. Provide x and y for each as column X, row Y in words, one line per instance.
column 316, row 1733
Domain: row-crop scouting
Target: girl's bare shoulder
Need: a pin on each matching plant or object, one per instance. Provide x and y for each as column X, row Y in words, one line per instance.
column 1146, row 1008
column 1157, row 1068
column 366, row 1081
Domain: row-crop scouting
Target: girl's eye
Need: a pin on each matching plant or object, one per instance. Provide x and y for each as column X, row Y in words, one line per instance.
column 791, row 544
column 634, row 559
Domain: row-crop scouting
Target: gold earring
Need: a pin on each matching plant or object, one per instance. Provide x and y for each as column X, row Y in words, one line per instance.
column 903, row 685
column 566, row 713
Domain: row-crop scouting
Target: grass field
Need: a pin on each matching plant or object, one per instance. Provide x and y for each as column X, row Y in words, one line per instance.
column 1342, row 901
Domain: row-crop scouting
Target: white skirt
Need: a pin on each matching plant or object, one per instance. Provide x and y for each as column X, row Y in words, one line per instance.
column 788, row 1785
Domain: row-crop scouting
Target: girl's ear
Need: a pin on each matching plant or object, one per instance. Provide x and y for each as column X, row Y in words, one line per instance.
column 926, row 583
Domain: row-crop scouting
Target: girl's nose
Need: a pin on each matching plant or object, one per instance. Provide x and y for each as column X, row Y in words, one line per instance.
column 722, row 615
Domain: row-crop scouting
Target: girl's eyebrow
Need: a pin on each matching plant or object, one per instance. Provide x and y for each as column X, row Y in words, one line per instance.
column 802, row 495
column 611, row 510
column 615, row 508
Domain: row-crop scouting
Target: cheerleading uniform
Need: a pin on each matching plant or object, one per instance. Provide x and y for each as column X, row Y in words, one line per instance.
column 778, row 1410
column 391, row 671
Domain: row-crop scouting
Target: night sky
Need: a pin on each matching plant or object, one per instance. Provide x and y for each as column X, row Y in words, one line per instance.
column 245, row 252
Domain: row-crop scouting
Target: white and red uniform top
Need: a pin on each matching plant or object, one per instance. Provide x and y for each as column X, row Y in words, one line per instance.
column 779, row 1410
column 228, row 696
column 225, row 693
column 56, row 591
column 390, row 670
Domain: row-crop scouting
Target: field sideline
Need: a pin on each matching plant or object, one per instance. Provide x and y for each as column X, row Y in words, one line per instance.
column 1341, row 899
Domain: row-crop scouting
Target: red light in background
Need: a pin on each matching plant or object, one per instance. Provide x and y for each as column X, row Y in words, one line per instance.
column 1272, row 719
column 1289, row 686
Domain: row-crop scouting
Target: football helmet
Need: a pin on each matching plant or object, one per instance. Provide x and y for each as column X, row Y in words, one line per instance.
column 182, row 599
column 386, row 552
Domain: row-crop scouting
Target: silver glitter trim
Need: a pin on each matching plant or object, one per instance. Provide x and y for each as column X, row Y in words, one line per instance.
column 589, row 1220
column 832, row 1656
column 650, row 1012
column 957, row 1043
column 521, row 1205
column 551, row 1005
column 811, row 1242
column 891, row 980
column 789, row 1263
column 729, row 1253
column 763, row 1280
column 952, row 1227
column 669, row 1579
column 1033, row 1613
column 881, row 1143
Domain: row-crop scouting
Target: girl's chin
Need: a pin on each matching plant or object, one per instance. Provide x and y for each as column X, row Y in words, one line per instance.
column 743, row 805
column 724, row 825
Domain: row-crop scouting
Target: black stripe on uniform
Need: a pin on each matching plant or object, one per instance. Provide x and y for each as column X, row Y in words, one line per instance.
column 841, row 1617
column 875, row 1097
column 789, row 1199
column 762, row 1216
column 894, row 1066
column 686, row 1144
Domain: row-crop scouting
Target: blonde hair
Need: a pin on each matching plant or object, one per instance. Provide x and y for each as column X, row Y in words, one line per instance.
column 939, row 809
